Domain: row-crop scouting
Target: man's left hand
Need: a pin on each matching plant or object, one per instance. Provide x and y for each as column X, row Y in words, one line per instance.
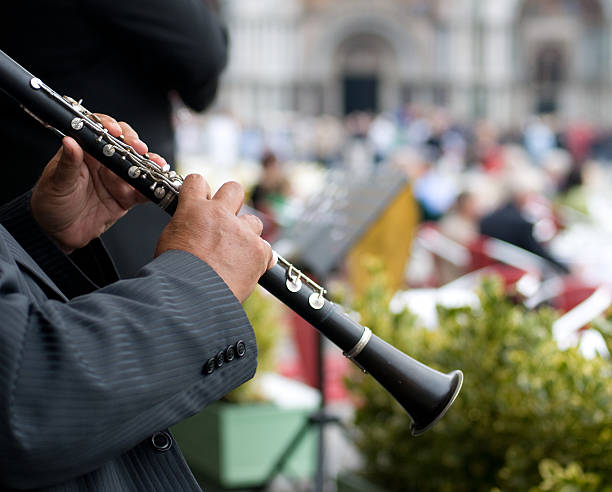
column 76, row 199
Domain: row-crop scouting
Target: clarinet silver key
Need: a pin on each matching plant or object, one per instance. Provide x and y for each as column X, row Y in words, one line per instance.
column 77, row 123
column 108, row 150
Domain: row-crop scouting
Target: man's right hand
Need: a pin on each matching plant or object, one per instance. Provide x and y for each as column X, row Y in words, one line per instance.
column 210, row 229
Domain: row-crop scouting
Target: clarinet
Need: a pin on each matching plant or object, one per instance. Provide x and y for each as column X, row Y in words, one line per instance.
column 425, row 393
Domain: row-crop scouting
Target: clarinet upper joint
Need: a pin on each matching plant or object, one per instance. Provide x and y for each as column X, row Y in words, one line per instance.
column 166, row 183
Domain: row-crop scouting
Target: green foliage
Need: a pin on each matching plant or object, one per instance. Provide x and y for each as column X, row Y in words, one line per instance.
column 603, row 324
column 264, row 313
column 572, row 478
column 529, row 415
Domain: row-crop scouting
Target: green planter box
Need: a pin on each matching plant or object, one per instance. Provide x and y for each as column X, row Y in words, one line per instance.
column 238, row 445
column 351, row 482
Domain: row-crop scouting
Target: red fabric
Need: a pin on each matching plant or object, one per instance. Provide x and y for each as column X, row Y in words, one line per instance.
column 574, row 292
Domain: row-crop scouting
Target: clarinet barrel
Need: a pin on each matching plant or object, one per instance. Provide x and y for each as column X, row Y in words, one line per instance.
column 425, row 393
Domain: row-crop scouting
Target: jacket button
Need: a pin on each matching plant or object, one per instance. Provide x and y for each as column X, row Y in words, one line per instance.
column 240, row 348
column 161, row 441
column 219, row 359
column 230, row 353
column 209, row 367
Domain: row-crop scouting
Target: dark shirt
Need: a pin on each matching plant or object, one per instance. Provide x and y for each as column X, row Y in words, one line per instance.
column 124, row 59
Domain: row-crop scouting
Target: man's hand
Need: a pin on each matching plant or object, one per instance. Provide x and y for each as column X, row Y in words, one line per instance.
column 76, row 199
column 210, row 229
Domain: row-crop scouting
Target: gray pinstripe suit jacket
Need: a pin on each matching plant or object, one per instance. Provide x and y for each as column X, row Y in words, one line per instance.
column 91, row 378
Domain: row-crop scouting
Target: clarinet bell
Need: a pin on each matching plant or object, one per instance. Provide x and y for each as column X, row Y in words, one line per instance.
column 425, row 393
column 428, row 410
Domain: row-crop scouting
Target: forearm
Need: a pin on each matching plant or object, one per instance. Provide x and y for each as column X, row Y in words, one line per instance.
column 92, row 378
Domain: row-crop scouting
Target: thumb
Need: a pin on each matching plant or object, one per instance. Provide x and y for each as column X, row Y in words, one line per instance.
column 69, row 164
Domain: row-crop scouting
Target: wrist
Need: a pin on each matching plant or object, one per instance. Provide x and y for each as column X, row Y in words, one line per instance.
column 38, row 217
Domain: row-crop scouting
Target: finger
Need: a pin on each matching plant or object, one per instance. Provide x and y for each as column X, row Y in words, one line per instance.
column 232, row 195
column 130, row 137
column 110, row 124
column 122, row 192
column 253, row 222
column 272, row 255
column 69, row 164
column 159, row 160
column 194, row 187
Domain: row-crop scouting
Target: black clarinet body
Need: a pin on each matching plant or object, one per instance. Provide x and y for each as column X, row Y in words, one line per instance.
column 425, row 393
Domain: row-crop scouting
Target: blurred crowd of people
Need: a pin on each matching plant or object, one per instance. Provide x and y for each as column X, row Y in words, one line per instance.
column 469, row 179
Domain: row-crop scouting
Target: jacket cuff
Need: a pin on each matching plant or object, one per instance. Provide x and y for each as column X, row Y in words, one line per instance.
column 16, row 217
column 180, row 263
column 85, row 270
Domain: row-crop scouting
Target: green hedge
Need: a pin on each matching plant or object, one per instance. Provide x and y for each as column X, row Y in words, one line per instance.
column 530, row 417
column 266, row 316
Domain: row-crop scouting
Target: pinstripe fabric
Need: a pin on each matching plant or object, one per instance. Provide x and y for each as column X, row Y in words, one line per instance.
column 85, row 383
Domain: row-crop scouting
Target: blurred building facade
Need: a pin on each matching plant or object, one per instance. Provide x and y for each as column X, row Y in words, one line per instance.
column 502, row 60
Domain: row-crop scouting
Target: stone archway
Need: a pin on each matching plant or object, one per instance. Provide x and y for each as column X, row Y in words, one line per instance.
column 367, row 50
column 601, row 8
column 364, row 70
column 559, row 56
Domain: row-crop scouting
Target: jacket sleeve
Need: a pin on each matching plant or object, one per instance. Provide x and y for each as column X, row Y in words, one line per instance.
column 83, row 271
column 86, row 380
column 182, row 42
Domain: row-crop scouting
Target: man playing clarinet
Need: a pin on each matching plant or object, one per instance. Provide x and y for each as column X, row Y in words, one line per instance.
column 93, row 369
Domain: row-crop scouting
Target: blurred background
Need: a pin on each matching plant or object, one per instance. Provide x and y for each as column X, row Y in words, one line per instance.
column 455, row 155
column 462, row 95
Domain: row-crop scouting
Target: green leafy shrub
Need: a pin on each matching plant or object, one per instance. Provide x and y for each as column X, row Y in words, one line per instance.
column 572, row 478
column 265, row 315
column 529, row 416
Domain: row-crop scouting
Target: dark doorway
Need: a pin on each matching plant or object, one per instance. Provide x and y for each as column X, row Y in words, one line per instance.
column 550, row 75
column 360, row 93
